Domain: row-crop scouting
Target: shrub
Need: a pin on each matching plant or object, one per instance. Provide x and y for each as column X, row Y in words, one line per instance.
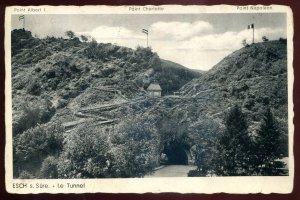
column 34, row 87
column 196, row 173
column 84, row 38
column 135, row 148
column 265, row 39
column 28, row 119
column 282, row 40
column 203, row 136
column 49, row 168
column 33, row 114
column 25, row 175
column 85, row 154
column 268, row 144
column 31, row 147
column 244, row 43
column 70, row 34
column 233, row 145
column 19, row 38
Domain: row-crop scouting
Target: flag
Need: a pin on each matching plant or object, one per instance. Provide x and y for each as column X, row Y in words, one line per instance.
column 145, row 31
column 21, row 17
column 251, row 26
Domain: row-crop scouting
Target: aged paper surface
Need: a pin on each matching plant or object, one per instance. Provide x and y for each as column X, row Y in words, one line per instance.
column 51, row 59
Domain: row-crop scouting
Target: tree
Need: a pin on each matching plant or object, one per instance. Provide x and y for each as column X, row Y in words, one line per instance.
column 134, row 147
column 49, row 168
column 268, row 143
column 84, row 38
column 32, row 146
column 244, row 43
column 70, row 34
column 265, row 39
column 233, row 145
column 85, row 154
column 204, row 150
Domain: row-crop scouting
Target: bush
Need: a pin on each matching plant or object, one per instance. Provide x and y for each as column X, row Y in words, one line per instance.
column 49, row 168
column 85, row 154
column 268, row 145
column 244, row 43
column 70, row 34
column 135, row 148
column 31, row 147
column 19, row 38
column 196, row 173
column 265, row 39
column 84, row 38
column 283, row 40
column 28, row 119
column 203, row 137
column 26, row 175
column 233, row 145
column 32, row 115
column 34, row 87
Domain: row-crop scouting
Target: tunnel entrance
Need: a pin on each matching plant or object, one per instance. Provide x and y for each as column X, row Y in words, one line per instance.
column 175, row 154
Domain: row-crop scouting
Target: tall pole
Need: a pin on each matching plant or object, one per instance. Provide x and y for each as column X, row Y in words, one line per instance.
column 22, row 17
column 253, row 34
column 145, row 31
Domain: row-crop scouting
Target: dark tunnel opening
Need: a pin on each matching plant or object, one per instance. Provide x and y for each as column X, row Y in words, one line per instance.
column 176, row 154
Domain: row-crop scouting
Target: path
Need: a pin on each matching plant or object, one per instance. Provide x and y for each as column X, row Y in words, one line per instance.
column 89, row 114
column 172, row 171
column 196, row 94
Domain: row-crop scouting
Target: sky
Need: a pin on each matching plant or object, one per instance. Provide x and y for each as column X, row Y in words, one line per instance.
column 196, row 41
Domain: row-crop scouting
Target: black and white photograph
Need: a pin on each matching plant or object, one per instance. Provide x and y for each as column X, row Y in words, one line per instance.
column 145, row 94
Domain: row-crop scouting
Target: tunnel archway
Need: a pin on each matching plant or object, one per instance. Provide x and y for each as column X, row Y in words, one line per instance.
column 176, row 154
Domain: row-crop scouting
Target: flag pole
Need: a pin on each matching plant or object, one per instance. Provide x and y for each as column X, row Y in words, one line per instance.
column 146, row 32
column 253, row 35
column 147, row 40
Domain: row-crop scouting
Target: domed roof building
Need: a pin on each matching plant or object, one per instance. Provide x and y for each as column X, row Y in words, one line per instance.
column 154, row 90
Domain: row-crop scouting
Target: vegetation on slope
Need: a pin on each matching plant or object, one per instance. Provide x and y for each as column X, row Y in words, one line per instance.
column 53, row 78
column 89, row 116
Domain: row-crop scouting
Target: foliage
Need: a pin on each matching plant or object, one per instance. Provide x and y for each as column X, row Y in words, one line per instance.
column 282, row 40
column 84, row 38
column 70, row 34
column 85, row 154
column 204, row 150
column 135, row 148
column 32, row 146
column 21, row 38
column 49, row 168
column 234, row 145
column 265, row 39
column 34, row 87
column 155, row 63
column 33, row 114
column 25, row 175
column 254, row 76
column 267, row 145
column 172, row 76
column 244, row 43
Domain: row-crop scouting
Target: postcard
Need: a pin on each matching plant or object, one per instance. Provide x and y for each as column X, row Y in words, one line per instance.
column 138, row 99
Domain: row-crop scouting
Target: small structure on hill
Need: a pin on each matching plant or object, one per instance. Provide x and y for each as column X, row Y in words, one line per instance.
column 154, row 90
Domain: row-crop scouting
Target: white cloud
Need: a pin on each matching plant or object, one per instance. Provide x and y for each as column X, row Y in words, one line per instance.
column 190, row 44
column 203, row 52
column 179, row 30
column 119, row 35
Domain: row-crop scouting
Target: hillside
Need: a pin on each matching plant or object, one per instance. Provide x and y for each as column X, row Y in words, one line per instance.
column 253, row 76
column 59, row 75
column 89, row 101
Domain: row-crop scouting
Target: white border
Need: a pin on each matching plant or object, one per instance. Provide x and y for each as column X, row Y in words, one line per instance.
column 138, row 185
